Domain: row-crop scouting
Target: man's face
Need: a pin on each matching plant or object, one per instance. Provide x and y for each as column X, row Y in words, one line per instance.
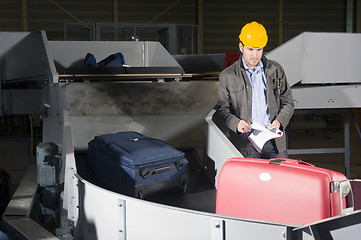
column 251, row 55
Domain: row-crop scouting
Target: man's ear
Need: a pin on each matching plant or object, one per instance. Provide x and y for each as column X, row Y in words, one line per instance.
column 241, row 47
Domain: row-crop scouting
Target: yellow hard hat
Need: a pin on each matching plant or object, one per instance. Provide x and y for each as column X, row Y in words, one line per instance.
column 253, row 35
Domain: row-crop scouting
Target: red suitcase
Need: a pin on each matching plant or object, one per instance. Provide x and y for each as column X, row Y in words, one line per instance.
column 281, row 190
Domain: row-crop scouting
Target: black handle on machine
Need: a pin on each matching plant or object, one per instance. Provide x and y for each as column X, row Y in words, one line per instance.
column 147, row 171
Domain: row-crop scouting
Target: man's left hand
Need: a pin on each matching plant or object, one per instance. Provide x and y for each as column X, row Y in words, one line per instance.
column 275, row 123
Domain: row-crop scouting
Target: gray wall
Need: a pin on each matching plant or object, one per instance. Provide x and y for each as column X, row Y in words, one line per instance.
column 221, row 20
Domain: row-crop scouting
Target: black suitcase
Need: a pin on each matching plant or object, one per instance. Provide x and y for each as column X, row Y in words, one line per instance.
column 136, row 165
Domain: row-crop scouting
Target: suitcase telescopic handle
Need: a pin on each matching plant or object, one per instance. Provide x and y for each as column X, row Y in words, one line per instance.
column 147, row 171
column 305, row 163
column 280, row 160
column 276, row 161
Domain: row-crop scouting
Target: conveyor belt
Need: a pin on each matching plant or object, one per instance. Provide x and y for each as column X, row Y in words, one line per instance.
column 122, row 76
column 123, row 73
column 200, row 194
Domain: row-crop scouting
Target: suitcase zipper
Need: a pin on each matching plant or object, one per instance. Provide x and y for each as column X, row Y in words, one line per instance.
column 148, row 164
column 146, row 171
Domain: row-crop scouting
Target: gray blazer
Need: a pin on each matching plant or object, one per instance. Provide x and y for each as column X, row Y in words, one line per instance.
column 235, row 99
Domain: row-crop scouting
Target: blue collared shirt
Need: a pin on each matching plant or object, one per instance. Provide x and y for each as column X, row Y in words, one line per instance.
column 260, row 111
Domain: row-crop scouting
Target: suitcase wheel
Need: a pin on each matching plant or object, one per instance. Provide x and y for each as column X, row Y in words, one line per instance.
column 183, row 187
column 140, row 195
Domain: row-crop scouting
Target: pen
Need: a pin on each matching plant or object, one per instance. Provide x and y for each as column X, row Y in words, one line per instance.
column 248, row 122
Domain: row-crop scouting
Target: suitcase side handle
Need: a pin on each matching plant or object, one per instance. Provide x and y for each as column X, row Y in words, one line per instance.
column 146, row 171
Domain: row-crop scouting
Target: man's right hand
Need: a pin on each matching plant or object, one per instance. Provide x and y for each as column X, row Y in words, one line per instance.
column 244, row 127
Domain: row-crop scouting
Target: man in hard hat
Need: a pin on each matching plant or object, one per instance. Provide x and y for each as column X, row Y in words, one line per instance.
column 254, row 89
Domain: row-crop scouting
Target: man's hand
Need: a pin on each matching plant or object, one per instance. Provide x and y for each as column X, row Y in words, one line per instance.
column 244, row 127
column 275, row 123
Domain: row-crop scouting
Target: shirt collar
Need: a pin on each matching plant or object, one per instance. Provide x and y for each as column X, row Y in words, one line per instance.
column 259, row 66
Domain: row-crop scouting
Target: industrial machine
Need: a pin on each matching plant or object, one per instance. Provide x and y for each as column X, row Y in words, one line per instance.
column 155, row 97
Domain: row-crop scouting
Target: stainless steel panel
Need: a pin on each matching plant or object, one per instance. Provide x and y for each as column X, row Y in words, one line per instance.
column 147, row 220
column 21, row 202
column 311, row 58
column 289, row 55
column 337, row 228
column 136, row 53
column 31, row 230
column 330, row 97
column 23, row 56
column 218, row 150
column 331, row 58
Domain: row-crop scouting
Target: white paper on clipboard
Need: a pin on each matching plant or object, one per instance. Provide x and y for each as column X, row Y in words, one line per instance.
column 261, row 134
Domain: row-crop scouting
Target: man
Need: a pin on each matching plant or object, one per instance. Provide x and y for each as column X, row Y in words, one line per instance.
column 254, row 89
